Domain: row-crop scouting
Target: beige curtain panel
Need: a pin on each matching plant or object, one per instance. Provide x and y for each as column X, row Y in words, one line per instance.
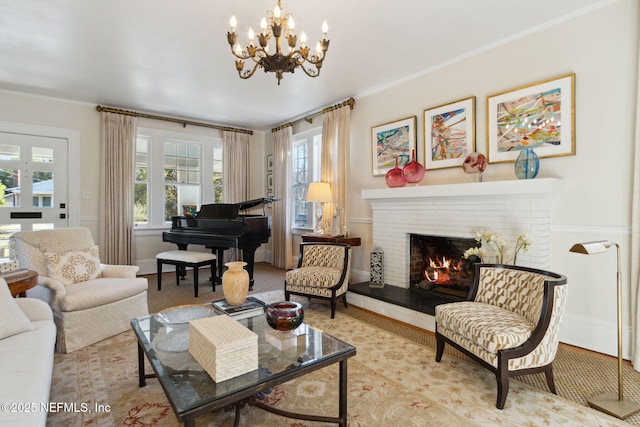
column 235, row 170
column 335, row 162
column 118, row 148
column 281, row 236
column 635, row 246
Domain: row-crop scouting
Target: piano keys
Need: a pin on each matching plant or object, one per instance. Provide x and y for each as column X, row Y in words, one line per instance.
column 220, row 226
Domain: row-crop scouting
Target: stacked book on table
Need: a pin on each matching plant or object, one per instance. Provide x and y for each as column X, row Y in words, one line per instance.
column 249, row 308
column 223, row 347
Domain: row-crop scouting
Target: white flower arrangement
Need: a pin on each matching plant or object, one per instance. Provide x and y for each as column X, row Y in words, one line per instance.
column 497, row 246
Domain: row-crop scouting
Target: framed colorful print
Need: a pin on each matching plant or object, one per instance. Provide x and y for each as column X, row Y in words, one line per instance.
column 449, row 133
column 539, row 116
column 392, row 141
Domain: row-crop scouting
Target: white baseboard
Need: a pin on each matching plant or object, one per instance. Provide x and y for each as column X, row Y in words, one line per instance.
column 595, row 335
column 149, row 266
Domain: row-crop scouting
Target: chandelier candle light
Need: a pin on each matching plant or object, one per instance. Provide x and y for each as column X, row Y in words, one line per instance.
column 277, row 25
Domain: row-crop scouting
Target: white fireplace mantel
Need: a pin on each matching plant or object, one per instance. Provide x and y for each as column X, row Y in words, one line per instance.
column 533, row 187
column 460, row 210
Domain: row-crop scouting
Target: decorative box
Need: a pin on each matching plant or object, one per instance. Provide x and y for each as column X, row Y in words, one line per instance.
column 223, row 347
column 7, row 265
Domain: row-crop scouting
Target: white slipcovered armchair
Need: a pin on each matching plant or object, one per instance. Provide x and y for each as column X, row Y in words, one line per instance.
column 90, row 301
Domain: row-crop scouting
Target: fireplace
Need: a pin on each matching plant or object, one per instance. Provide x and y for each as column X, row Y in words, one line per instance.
column 436, row 264
column 460, row 210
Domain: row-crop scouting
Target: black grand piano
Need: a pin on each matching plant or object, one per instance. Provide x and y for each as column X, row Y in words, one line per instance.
column 220, row 226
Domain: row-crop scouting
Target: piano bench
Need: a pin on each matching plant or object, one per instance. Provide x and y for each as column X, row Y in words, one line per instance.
column 184, row 259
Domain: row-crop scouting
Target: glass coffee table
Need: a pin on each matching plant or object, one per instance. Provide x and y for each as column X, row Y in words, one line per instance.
column 191, row 391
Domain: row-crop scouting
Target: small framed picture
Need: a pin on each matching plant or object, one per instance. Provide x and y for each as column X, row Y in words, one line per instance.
column 449, row 133
column 269, row 181
column 538, row 116
column 270, row 163
column 392, row 141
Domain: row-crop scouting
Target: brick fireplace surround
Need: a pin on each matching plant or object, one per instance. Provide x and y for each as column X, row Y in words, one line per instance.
column 458, row 210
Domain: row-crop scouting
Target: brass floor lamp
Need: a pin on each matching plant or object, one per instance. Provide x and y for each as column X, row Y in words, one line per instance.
column 609, row 402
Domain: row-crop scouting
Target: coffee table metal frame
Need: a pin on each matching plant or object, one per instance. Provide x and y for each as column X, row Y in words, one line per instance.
column 238, row 397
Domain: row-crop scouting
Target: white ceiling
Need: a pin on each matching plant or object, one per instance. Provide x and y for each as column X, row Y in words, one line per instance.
column 171, row 57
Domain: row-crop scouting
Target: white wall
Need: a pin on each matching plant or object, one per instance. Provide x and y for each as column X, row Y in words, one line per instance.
column 601, row 48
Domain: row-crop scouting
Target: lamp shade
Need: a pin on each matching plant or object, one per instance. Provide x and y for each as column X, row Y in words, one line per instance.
column 319, row 192
column 589, row 248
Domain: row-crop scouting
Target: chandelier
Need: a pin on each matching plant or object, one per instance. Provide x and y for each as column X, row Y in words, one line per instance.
column 279, row 26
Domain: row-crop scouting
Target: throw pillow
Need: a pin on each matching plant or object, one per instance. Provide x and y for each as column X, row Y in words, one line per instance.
column 74, row 266
column 12, row 319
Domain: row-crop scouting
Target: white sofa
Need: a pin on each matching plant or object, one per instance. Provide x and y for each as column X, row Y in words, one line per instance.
column 26, row 365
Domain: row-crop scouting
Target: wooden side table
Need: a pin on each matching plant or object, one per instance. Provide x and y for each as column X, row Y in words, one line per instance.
column 18, row 285
column 327, row 238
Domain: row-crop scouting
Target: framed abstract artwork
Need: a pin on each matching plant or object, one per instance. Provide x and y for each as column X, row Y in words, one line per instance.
column 538, row 116
column 392, row 141
column 449, row 133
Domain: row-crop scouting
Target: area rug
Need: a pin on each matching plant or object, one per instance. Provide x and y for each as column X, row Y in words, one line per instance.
column 392, row 381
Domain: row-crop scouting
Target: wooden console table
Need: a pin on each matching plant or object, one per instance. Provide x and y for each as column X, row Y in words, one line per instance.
column 18, row 285
column 327, row 238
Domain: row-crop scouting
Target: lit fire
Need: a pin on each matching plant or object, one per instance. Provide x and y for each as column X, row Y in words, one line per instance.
column 441, row 271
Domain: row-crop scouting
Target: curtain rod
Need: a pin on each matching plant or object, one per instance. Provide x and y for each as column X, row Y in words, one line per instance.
column 350, row 102
column 183, row 122
column 286, row 125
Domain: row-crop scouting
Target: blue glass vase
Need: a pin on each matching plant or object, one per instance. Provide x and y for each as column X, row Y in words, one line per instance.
column 527, row 164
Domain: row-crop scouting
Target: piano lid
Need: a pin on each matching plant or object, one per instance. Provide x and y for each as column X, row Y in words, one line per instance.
column 231, row 210
column 257, row 202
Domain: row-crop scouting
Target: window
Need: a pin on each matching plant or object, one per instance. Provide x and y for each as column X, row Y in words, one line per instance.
column 305, row 161
column 182, row 176
column 174, row 169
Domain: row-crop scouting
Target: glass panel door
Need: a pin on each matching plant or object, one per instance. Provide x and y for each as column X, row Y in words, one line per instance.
column 33, row 184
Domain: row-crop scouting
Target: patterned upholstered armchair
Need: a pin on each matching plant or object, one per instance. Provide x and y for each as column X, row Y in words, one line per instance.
column 90, row 301
column 323, row 272
column 510, row 323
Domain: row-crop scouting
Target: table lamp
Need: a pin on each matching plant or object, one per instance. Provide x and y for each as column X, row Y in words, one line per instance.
column 609, row 402
column 319, row 192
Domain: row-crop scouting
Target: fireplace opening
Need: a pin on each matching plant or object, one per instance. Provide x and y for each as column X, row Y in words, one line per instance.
column 437, row 264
